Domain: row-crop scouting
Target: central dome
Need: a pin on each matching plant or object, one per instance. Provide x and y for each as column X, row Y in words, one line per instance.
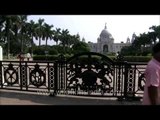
column 105, row 33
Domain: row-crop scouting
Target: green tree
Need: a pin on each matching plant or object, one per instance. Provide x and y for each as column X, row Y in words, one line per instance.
column 22, row 30
column 57, row 34
column 80, row 47
column 156, row 29
column 152, row 36
column 31, row 31
column 40, row 30
column 64, row 37
column 48, row 32
column 7, row 21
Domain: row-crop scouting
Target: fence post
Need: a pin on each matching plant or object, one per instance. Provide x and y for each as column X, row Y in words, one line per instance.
column 1, row 78
column 125, row 79
column 55, row 77
column 129, row 83
column 55, row 80
column 20, row 66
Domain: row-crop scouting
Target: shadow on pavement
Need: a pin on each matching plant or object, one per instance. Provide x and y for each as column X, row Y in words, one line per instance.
column 20, row 98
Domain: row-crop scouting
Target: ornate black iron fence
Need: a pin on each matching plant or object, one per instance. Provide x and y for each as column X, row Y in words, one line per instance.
column 135, row 80
column 27, row 76
column 90, row 74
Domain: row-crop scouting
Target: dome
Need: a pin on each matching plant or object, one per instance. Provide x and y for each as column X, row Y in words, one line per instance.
column 105, row 33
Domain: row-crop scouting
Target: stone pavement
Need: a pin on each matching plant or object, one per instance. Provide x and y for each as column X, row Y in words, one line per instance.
column 26, row 98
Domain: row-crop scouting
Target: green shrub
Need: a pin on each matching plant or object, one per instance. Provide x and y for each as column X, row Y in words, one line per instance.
column 53, row 52
column 137, row 58
column 85, row 59
column 45, row 58
column 112, row 57
column 134, row 58
column 39, row 50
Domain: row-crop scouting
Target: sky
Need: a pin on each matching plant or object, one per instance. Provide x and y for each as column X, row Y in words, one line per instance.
column 90, row 26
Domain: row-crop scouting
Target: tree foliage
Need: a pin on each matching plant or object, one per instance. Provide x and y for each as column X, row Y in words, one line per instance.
column 80, row 47
column 18, row 35
column 143, row 43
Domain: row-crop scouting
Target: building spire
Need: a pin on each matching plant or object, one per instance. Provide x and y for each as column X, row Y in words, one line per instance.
column 105, row 26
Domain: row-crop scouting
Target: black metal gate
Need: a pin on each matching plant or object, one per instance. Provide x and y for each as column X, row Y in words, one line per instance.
column 27, row 76
column 94, row 74
column 87, row 74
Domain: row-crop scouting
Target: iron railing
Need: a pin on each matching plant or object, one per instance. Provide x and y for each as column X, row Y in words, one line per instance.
column 90, row 74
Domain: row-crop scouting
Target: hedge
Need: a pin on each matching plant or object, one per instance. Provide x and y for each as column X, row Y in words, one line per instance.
column 137, row 58
column 126, row 58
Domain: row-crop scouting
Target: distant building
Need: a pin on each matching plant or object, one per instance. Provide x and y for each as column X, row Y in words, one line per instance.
column 105, row 43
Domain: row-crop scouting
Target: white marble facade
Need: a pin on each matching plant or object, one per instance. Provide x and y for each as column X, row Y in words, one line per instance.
column 105, row 43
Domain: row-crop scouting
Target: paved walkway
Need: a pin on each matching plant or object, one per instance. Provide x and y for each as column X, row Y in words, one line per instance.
column 27, row 98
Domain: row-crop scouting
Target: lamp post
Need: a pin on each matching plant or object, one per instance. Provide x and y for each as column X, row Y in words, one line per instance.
column 46, row 53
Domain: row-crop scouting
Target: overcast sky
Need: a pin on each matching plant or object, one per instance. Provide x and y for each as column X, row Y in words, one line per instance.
column 90, row 26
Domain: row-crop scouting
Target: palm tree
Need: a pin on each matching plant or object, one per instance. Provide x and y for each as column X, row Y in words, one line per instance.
column 8, row 21
column 2, row 33
column 40, row 30
column 64, row 37
column 57, row 34
column 21, row 24
column 73, row 39
column 31, row 31
column 47, row 33
column 13, row 25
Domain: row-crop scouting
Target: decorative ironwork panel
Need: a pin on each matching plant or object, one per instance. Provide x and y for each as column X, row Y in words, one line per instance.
column 28, row 75
column 40, row 76
column 51, row 77
column 90, row 74
column 61, row 78
column 87, row 73
column 141, row 82
column 37, row 76
column 1, row 75
column 23, row 74
column 131, row 82
column 119, row 78
column 136, row 80
column 140, row 79
column 11, row 75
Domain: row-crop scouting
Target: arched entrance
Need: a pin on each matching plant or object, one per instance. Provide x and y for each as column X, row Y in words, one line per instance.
column 105, row 48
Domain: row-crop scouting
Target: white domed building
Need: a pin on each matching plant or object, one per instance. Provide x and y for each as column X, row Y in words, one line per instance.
column 105, row 43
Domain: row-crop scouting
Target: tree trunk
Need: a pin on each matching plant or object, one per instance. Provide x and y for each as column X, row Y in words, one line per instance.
column 22, row 43
column 8, row 51
column 32, row 47
column 39, row 41
column 46, row 42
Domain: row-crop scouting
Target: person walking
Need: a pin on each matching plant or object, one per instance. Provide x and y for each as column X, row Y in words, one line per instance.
column 152, row 74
